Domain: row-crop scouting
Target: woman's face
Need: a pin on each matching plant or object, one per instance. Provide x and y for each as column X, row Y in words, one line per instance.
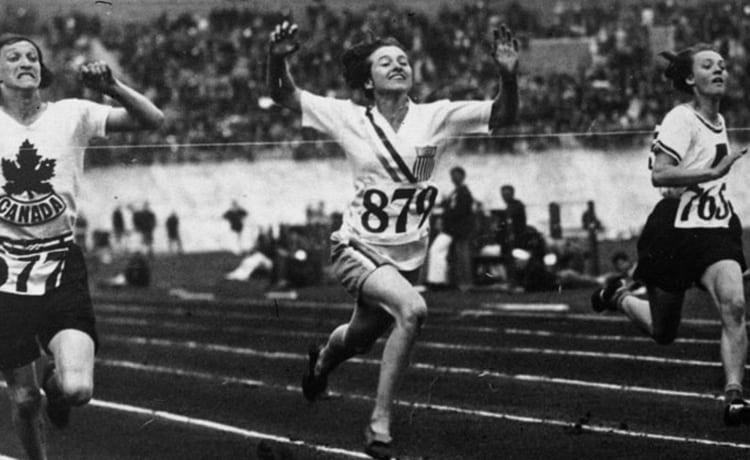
column 390, row 70
column 709, row 73
column 19, row 66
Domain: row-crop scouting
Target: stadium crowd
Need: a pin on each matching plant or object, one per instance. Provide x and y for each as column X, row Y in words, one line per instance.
column 208, row 72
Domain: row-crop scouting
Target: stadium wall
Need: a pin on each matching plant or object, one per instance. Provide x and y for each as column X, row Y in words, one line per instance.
column 277, row 191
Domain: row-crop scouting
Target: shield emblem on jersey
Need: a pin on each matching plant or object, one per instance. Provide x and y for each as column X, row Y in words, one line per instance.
column 425, row 162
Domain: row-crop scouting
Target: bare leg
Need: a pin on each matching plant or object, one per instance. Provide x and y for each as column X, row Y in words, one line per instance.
column 73, row 351
column 387, row 299
column 388, row 288
column 724, row 282
column 26, row 405
column 659, row 316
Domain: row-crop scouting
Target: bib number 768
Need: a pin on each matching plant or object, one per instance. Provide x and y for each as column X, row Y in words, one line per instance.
column 375, row 219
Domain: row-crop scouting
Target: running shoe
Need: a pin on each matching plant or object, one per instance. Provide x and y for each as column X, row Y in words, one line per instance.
column 606, row 298
column 378, row 446
column 737, row 413
column 313, row 386
column 58, row 410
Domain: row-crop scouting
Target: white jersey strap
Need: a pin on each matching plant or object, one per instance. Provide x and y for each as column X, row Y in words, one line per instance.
column 392, row 150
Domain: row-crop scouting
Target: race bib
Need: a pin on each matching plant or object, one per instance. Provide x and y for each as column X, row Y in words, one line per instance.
column 32, row 275
column 393, row 212
column 704, row 207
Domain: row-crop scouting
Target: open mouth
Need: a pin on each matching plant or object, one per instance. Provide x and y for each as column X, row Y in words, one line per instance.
column 26, row 74
column 397, row 76
column 718, row 80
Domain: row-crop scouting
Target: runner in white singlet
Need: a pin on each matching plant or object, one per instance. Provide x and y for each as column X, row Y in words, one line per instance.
column 392, row 144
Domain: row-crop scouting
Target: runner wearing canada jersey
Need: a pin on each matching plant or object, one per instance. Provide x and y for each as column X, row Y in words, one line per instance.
column 44, row 297
column 693, row 236
column 393, row 145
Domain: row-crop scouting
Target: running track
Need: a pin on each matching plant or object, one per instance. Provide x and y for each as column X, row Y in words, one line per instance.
column 214, row 380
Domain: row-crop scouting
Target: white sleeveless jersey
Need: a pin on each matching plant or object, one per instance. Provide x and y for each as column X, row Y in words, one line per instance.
column 695, row 144
column 394, row 192
column 41, row 166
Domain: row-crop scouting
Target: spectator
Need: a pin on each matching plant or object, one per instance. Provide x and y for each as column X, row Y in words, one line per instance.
column 589, row 220
column 144, row 222
column 118, row 226
column 174, row 242
column 515, row 213
column 236, row 216
column 457, row 230
column 260, row 258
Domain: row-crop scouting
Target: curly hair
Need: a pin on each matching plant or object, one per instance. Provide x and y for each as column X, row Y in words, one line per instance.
column 47, row 77
column 357, row 65
column 680, row 66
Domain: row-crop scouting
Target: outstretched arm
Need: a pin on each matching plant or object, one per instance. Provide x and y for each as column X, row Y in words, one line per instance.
column 666, row 173
column 279, row 80
column 505, row 53
column 137, row 112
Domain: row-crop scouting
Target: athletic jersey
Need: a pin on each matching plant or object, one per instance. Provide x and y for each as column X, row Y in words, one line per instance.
column 394, row 192
column 41, row 166
column 694, row 143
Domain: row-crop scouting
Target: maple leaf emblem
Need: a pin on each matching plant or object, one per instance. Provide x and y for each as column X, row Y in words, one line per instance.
column 27, row 173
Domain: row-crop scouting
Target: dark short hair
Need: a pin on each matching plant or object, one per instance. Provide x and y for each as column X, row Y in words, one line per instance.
column 508, row 187
column 458, row 169
column 46, row 77
column 357, row 65
column 681, row 65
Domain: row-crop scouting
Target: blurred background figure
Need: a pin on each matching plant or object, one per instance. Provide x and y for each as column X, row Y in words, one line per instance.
column 259, row 259
column 449, row 260
column 512, row 231
column 144, row 222
column 118, row 228
column 174, row 242
column 81, row 230
column 236, row 215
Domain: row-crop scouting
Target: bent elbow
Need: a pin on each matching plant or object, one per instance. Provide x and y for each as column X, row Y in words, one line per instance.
column 157, row 121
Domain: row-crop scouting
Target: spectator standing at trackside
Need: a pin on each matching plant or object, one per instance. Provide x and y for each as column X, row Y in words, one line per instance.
column 144, row 222
column 589, row 219
column 458, row 227
column 118, row 226
column 515, row 212
column 174, row 242
column 236, row 216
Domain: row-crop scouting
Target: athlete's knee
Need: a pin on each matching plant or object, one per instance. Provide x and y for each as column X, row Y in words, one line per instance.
column 733, row 311
column 77, row 389
column 27, row 401
column 413, row 313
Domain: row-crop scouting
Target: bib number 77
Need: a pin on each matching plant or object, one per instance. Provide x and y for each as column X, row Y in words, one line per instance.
column 375, row 219
column 35, row 274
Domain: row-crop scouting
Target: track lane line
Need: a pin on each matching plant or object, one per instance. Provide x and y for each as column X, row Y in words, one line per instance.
column 246, row 351
column 131, row 321
column 222, row 427
column 528, row 378
column 207, row 424
column 181, row 311
column 599, row 429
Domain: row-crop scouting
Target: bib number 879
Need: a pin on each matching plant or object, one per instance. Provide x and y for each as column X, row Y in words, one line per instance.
column 376, row 220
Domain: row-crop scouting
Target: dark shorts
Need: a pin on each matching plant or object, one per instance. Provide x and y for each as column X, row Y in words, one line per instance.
column 28, row 322
column 675, row 259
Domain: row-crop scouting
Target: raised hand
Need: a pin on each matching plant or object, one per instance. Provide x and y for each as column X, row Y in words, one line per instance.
column 505, row 50
column 284, row 40
column 98, row 76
